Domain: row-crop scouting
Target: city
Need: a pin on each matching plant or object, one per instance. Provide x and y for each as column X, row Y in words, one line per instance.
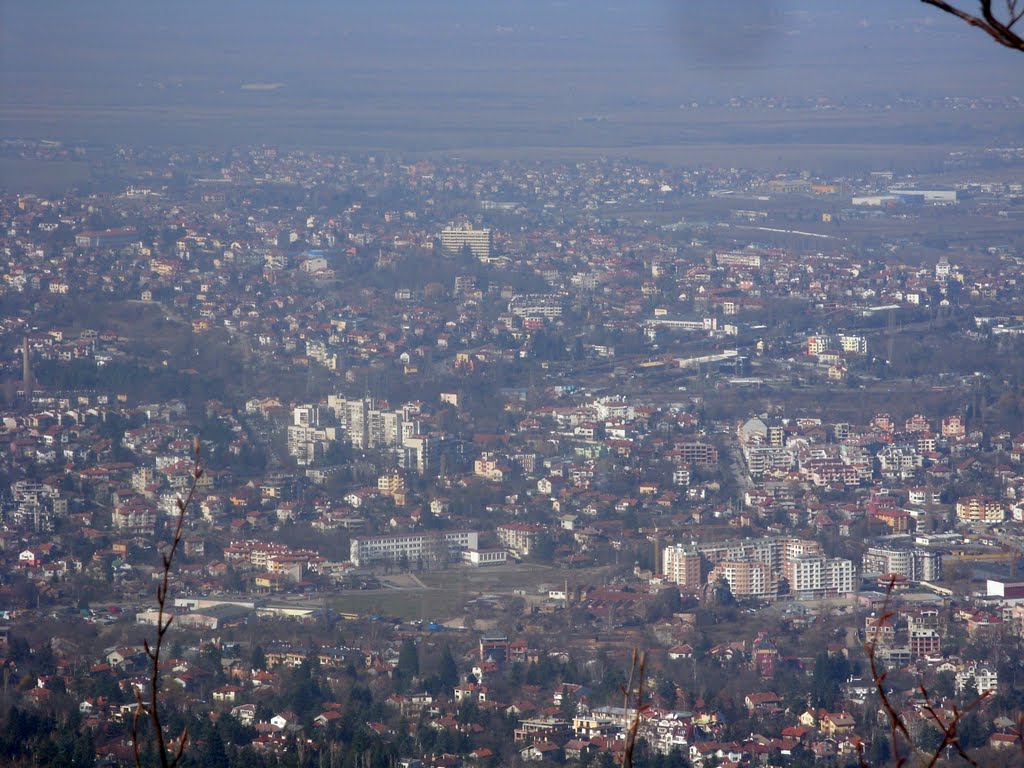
column 484, row 385
column 472, row 433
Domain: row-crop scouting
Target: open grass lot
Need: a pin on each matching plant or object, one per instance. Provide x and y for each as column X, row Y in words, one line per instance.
column 447, row 592
column 423, row 604
column 41, row 177
column 507, row 579
column 503, row 579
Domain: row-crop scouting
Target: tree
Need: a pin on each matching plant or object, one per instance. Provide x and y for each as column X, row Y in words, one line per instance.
column 408, row 662
column 830, row 671
column 997, row 24
column 448, row 671
column 667, row 692
column 214, row 754
column 721, row 593
column 169, row 753
column 302, row 692
column 973, row 731
column 258, row 659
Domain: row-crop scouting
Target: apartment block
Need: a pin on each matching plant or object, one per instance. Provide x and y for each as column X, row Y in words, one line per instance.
column 454, row 239
column 429, row 548
column 747, row 578
column 682, row 566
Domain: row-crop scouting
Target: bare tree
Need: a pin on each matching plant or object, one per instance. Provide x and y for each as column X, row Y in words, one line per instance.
column 170, row 754
column 996, row 23
column 905, row 750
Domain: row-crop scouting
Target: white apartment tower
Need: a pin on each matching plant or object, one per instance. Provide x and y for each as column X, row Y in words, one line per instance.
column 453, row 239
column 682, row 566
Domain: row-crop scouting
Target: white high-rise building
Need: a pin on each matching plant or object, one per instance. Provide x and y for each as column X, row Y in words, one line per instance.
column 454, row 239
column 815, row 574
column 682, row 566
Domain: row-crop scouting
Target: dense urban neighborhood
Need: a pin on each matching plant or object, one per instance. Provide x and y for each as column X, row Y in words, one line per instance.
column 501, row 463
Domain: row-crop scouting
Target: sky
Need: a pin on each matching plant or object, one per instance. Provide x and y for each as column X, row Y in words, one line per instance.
column 420, row 74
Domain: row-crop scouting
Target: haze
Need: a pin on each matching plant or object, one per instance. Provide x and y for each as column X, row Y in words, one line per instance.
column 454, row 75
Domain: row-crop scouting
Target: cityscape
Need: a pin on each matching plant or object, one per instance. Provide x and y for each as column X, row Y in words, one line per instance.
column 393, row 458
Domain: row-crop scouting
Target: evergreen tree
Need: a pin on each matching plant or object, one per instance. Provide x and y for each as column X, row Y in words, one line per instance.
column 214, row 755
column 258, row 660
column 408, row 663
column 448, row 670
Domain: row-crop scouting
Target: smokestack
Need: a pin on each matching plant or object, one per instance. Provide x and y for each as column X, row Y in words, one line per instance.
column 26, row 370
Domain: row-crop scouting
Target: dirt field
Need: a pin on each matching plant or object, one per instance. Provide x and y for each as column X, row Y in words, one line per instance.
column 444, row 594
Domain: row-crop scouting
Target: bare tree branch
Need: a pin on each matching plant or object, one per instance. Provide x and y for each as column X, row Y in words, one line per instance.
column 896, row 726
column 950, row 737
column 999, row 30
column 636, row 672
column 171, row 755
column 901, row 742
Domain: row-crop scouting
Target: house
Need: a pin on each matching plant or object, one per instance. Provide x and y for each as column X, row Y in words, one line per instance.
column 541, row 752
column 765, row 655
column 708, row 752
column 825, row 751
column 723, row 653
column 880, row 629
column 283, row 720
column 981, row 677
column 578, row 749
column 796, row 733
column 227, row 693
column 569, row 692
column 327, row 718
column 465, row 692
column 1004, row 741
column 810, row 718
column 837, row 723
column 121, row 655
column 762, row 703
column 420, row 701
column 678, row 652
column 39, row 696
column 245, row 714
column 28, row 559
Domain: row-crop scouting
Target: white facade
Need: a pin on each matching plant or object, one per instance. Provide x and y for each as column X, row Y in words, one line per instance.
column 985, row 678
column 814, row 574
column 453, row 239
column 536, row 305
column 428, row 547
column 682, row 565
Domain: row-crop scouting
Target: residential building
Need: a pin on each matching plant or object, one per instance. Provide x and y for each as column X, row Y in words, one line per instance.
column 682, row 566
column 454, row 239
column 429, row 548
column 747, row 579
column 980, row 509
column 521, row 538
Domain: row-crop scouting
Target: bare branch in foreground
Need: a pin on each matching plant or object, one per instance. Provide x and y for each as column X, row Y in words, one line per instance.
column 636, row 672
column 170, row 755
column 900, row 739
column 999, row 29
